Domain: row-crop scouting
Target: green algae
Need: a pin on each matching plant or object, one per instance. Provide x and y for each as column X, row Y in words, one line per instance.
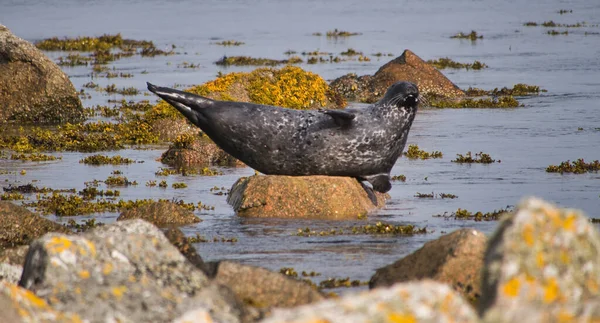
column 462, row 214
column 519, row 89
column 288, row 271
column 552, row 24
column 556, row 32
column 351, row 52
column 30, row 188
column 473, row 36
column 578, row 166
column 340, row 282
column 90, row 193
column 414, row 152
column 105, row 160
column 74, row 60
column 340, row 33
column 499, row 102
column 179, row 185
column 118, row 181
column 85, row 44
column 252, row 61
column 400, row 177
column 433, row 195
column 162, row 184
column 11, row 196
column 564, row 11
column 446, row 62
column 201, row 239
column 480, row 158
column 86, row 225
column 229, row 43
column 37, row 157
column 379, row 228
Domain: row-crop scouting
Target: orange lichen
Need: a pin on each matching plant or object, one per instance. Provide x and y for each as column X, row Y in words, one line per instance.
column 528, row 234
column 58, row 244
column 84, row 274
column 401, row 318
column 511, row 288
column 551, row 291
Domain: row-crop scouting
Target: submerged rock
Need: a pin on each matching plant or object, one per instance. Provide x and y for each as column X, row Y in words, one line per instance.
column 127, row 272
column 18, row 226
column 316, row 197
column 161, row 214
column 192, row 150
column 263, row 288
column 455, row 259
column 406, row 67
column 33, row 89
column 545, row 261
column 424, row 301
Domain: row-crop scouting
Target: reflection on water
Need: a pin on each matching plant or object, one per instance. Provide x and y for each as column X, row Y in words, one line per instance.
column 556, row 126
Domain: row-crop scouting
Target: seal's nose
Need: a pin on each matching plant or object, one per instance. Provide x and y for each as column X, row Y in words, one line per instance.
column 411, row 99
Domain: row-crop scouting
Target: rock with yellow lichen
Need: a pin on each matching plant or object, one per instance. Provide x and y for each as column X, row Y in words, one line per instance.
column 316, row 197
column 545, row 261
column 125, row 272
column 455, row 259
column 424, row 301
column 406, row 67
column 19, row 305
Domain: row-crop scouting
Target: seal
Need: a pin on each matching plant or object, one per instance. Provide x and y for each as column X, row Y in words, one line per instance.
column 362, row 143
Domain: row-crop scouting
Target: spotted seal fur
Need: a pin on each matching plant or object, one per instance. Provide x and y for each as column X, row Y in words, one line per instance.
column 362, row 143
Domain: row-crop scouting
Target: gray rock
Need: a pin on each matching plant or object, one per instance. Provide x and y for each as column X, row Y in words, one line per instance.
column 263, row 288
column 127, row 271
column 10, row 273
column 424, row 301
column 455, row 258
column 542, row 259
column 33, row 89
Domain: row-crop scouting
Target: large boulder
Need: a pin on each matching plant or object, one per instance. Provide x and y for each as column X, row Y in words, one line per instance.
column 193, row 150
column 424, row 301
column 33, row 89
column 18, row 226
column 455, row 259
column 542, row 260
column 406, row 67
column 126, row 272
column 160, row 214
column 263, row 288
column 316, row 197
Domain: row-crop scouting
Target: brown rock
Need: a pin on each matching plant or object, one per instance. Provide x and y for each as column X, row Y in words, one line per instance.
column 202, row 151
column 455, row 259
column 178, row 239
column 161, row 214
column 406, row 67
column 18, row 226
column 263, row 288
column 33, row 89
column 14, row 256
column 317, row 197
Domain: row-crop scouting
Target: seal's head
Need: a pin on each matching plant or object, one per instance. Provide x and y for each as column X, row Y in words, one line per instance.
column 402, row 94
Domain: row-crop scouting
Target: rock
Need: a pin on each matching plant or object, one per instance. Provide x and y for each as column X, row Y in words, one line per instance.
column 178, row 239
column 317, row 197
column 160, row 214
column 10, row 273
column 424, row 301
column 20, row 305
column 455, row 259
column 18, row 226
column 33, row 89
column 126, row 272
column 14, row 256
column 406, row 67
column 263, row 288
column 543, row 259
column 199, row 151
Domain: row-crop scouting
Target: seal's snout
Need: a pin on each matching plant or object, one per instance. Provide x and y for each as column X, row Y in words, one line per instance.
column 411, row 99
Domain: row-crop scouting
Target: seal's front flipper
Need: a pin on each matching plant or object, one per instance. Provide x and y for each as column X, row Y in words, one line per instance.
column 381, row 182
column 340, row 117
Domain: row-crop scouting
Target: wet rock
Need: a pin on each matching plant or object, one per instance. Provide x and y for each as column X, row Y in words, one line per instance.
column 178, row 239
column 455, row 259
column 126, row 272
column 406, row 67
column 33, row 89
column 263, row 288
column 18, row 226
column 20, row 305
column 545, row 260
column 168, row 129
column 160, row 214
column 200, row 151
column 317, row 197
column 424, row 301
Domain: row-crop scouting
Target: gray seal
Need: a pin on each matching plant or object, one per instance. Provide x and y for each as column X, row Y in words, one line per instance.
column 362, row 143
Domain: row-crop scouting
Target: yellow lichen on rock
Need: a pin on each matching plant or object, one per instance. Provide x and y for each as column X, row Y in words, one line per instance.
column 58, row 244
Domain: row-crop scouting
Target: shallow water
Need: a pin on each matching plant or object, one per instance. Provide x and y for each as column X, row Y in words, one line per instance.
column 545, row 131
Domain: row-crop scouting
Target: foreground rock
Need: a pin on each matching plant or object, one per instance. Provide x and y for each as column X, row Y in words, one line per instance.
column 263, row 288
column 161, row 214
column 33, row 89
column 406, row 67
column 544, row 262
column 425, row 301
column 455, row 259
column 197, row 150
column 126, row 272
column 18, row 226
column 316, row 197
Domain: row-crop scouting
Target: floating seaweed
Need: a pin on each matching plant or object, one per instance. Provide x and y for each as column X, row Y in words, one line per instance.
column 576, row 167
column 414, row 152
column 480, row 158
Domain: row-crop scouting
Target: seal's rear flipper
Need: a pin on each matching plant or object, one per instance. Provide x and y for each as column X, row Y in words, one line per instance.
column 172, row 96
column 381, row 182
column 340, row 117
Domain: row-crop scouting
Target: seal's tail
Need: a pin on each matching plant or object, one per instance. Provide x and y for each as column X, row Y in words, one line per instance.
column 180, row 99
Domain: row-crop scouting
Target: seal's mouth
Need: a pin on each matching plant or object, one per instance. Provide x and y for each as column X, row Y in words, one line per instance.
column 411, row 99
